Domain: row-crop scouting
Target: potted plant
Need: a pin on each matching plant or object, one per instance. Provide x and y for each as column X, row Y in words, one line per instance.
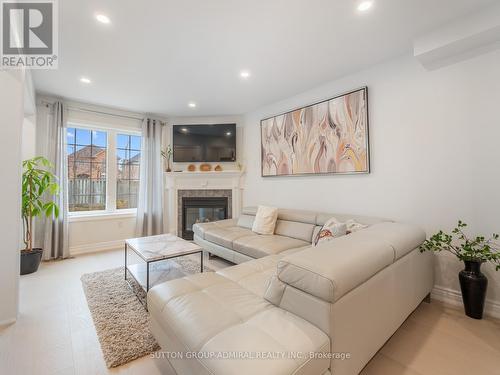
column 37, row 181
column 166, row 155
column 473, row 252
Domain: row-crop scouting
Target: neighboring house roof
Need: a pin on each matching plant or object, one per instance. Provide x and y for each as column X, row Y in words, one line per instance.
column 87, row 152
column 135, row 159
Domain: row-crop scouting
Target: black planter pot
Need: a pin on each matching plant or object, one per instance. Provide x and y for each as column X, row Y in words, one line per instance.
column 30, row 260
column 473, row 284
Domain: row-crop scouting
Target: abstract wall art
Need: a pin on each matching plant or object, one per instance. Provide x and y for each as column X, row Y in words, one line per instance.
column 330, row 137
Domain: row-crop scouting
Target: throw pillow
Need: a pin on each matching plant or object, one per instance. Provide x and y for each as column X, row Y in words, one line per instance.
column 265, row 220
column 354, row 226
column 330, row 230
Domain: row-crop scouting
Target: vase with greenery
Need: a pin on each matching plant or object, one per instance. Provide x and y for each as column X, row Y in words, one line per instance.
column 473, row 251
column 39, row 186
column 167, row 154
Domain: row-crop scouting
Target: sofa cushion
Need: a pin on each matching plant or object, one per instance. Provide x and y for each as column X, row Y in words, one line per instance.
column 213, row 314
column 322, row 218
column 253, row 275
column 402, row 237
column 159, row 296
column 294, row 229
column 226, row 236
column 276, row 332
column 256, row 274
column 200, row 228
column 246, row 221
column 334, row 268
column 197, row 312
column 258, row 246
column 301, row 216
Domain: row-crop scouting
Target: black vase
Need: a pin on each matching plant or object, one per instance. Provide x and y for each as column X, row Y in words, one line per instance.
column 30, row 260
column 473, row 284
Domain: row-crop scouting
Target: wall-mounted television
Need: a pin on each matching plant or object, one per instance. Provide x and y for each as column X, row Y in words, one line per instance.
column 204, row 143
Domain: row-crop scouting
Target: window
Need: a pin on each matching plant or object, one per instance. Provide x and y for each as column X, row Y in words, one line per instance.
column 128, row 158
column 87, row 156
column 92, row 186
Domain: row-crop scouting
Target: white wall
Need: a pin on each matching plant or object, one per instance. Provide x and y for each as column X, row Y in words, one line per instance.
column 95, row 234
column 435, row 155
column 29, row 137
column 11, row 120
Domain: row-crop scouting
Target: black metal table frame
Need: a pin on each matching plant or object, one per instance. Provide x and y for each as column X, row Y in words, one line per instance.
column 148, row 262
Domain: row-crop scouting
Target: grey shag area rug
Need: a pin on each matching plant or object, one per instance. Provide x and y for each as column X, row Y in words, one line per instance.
column 120, row 319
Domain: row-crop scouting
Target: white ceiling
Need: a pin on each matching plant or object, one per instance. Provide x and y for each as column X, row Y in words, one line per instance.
column 158, row 55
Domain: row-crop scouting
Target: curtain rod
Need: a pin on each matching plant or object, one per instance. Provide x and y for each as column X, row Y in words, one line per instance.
column 73, row 108
column 104, row 113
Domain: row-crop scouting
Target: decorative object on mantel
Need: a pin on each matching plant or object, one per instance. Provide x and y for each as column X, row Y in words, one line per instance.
column 167, row 154
column 218, row 168
column 205, row 167
column 473, row 252
column 327, row 137
column 191, row 168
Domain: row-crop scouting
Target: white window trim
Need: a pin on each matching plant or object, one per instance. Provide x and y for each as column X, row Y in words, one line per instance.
column 111, row 212
column 101, row 215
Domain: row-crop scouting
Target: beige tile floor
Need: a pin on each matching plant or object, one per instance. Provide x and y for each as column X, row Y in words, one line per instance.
column 55, row 334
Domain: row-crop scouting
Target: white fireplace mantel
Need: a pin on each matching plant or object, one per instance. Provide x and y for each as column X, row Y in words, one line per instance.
column 223, row 180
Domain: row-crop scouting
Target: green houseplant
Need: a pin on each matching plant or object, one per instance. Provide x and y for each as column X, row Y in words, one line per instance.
column 167, row 154
column 37, row 182
column 473, row 251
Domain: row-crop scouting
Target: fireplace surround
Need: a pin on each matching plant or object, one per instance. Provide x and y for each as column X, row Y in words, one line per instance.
column 222, row 184
column 201, row 210
column 216, row 204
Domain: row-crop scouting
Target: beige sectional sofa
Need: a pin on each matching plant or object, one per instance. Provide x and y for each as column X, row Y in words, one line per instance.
column 296, row 309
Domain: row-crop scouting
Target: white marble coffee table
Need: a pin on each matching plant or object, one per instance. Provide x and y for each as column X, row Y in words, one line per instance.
column 157, row 248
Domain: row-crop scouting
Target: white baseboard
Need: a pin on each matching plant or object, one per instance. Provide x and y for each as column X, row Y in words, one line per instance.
column 454, row 297
column 96, row 247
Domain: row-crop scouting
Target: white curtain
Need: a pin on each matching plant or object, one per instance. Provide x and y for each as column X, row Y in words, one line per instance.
column 150, row 202
column 52, row 233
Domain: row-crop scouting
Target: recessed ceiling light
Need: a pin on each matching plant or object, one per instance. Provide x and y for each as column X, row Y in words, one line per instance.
column 244, row 74
column 228, row 133
column 192, row 105
column 85, row 80
column 184, row 130
column 365, row 5
column 102, row 18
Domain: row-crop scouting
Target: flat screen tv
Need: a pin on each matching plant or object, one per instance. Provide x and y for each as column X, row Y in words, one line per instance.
column 204, row 143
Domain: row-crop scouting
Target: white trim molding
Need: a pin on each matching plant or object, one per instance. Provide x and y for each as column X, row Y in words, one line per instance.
column 454, row 297
column 105, row 215
column 96, row 247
